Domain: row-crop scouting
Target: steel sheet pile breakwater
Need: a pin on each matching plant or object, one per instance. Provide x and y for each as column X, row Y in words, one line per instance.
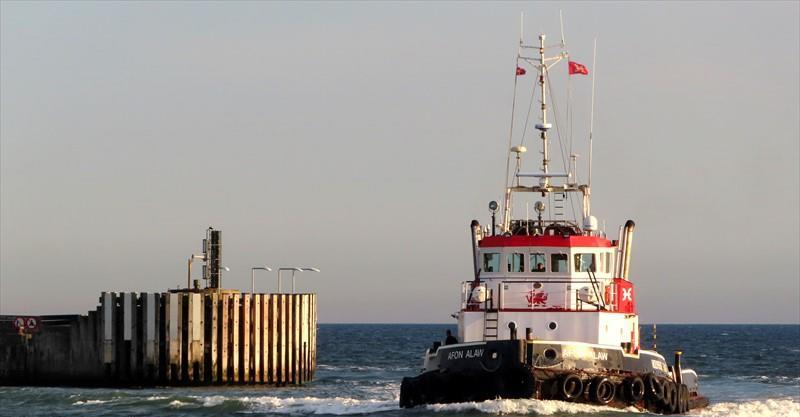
column 177, row 338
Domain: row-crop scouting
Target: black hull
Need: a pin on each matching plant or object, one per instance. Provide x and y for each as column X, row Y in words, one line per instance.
column 499, row 370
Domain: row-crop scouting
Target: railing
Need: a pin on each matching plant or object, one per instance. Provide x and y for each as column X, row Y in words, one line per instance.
column 545, row 294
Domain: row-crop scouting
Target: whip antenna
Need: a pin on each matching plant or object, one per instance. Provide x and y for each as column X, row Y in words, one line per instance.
column 591, row 113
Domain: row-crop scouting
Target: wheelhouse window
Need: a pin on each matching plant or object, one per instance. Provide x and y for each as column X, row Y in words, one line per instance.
column 585, row 262
column 538, row 262
column 516, row 262
column 559, row 262
column 491, row 262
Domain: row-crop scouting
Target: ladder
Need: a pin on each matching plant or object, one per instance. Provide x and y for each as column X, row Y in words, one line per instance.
column 490, row 325
column 601, row 304
column 559, row 202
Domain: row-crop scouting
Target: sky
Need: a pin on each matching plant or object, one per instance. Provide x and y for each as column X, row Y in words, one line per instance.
column 362, row 138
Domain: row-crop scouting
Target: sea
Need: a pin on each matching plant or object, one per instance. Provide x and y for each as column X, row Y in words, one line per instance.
column 745, row 370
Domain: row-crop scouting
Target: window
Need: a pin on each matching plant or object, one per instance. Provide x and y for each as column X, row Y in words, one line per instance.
column 558, row 262
column 538, row 262
column 608, row 262
column 516, row 262
column 491, row 262
column 585, row 262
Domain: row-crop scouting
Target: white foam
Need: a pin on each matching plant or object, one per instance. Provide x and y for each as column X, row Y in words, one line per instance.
column 313, row 405
column 761, row 408
column 213, row 400
column 89, row 402
column 155, row 398
column 177, row 404
column 525, row 406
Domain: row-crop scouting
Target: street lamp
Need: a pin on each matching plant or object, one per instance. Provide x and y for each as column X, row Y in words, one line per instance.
column 301, row 270
column 253, row 276
column 292, row 268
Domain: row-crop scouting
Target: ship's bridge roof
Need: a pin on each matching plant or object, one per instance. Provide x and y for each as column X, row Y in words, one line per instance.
column 553, row 241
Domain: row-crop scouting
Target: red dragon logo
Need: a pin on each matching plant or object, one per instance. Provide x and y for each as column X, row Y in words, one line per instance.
column 536, row 298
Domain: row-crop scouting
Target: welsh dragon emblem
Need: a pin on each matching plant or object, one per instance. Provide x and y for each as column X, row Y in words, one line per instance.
column 536, row 298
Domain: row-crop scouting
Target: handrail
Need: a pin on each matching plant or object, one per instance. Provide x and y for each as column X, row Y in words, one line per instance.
column 495, row 297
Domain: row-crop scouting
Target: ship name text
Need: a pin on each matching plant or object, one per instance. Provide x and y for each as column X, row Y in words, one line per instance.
column 465, row 354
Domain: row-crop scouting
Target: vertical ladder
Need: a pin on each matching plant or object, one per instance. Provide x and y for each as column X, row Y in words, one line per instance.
column 490, row 325
column 559, row 202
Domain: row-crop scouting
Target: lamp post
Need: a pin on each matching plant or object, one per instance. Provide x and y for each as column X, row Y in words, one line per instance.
column 287, row 268
column 189, row 273
column 253, row 276
column 301, row 270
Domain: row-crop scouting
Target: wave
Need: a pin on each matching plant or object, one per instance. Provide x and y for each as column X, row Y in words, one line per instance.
column 522, row 406
column 177, row 404
column 156, row 398
column 90, row 402
column 762, row 408
column 770, row 379
column 363, row 368
column 314, row 405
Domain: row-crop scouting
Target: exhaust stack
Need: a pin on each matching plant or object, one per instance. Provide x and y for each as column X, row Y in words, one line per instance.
column 626, row 250
column 475, row 228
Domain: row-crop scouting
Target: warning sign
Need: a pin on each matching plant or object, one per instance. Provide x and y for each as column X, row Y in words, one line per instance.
column 27, row 324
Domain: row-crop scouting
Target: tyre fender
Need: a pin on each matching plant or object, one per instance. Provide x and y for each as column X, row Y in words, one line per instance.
column 601, row 390
column 670, row 402
column 654, row 389
column 570, row 387
column 633, row 389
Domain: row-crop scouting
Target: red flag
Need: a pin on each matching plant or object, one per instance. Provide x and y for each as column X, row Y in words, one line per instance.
column 576, row 68
column 521, row 71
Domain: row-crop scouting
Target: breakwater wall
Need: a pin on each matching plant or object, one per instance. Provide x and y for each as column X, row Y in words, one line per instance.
column 196, row 337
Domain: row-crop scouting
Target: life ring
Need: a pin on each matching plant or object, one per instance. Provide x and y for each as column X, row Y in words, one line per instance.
column 654, row 388
column 601, row 390
column 570, row 387
column 633, row 389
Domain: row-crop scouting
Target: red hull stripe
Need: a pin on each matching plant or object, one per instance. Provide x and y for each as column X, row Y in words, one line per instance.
column 557, row 241
column 549, row 310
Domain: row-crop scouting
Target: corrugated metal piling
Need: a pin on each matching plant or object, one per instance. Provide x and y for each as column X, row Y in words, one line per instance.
column 175, row 338
column 189, row 336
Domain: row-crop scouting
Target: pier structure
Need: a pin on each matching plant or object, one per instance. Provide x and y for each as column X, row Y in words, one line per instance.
column 191, row 336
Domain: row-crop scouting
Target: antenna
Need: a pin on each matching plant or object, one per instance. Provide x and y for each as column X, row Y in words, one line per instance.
column 506, row 190
column 591, row 113
column 561, row 19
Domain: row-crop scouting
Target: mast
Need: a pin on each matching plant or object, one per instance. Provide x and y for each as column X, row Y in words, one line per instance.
column 546, row 177
column 544, row 126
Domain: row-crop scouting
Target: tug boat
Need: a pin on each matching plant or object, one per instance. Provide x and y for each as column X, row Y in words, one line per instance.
column 550, row 313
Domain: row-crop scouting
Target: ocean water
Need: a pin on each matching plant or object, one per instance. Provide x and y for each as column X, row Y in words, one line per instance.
column 745, row 370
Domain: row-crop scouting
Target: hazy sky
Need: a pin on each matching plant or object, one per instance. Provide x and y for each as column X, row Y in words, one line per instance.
column 362, row 138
